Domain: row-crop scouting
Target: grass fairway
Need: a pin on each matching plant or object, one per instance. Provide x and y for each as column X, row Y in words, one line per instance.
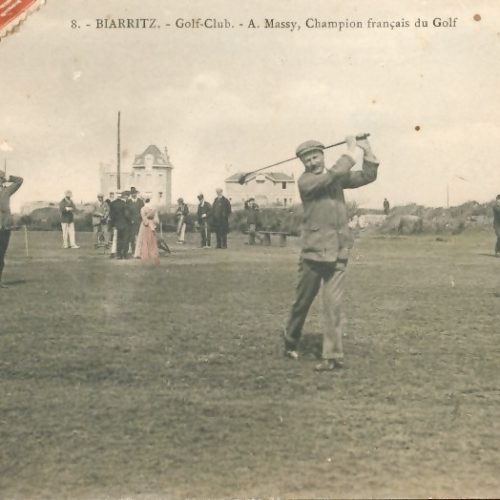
column 123, row 380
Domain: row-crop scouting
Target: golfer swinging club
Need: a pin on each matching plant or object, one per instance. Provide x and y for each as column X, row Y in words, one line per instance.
column 326, row 241
column 8, row 186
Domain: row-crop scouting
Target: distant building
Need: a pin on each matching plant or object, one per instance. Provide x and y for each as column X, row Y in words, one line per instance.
column 151, row 175
column 268, row 189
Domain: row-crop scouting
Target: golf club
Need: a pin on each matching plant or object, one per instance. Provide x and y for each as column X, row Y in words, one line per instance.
column 243, row 177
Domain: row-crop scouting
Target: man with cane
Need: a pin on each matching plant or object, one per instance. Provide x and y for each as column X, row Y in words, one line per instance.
column 326, row 241
column 204, row 223
column 8, row 186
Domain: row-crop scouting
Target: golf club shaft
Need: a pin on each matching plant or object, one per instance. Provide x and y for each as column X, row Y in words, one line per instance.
column 358, row 137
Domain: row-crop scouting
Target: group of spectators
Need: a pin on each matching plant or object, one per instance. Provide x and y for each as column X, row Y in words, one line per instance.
column 209, row 218
column 117, row 222
column 126, row 224
column 214, row 218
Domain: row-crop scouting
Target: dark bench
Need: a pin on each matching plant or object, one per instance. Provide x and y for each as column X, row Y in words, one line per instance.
column 266, row 237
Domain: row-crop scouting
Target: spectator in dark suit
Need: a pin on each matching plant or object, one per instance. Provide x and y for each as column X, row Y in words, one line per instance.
column 204, row 212
column 121, row 219
column 387, row 206
column 67, row 209
column 8, row 186
column 221, row 210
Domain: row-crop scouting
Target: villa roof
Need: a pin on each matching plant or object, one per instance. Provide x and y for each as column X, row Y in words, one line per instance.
column 161, row 160
column 272, row 176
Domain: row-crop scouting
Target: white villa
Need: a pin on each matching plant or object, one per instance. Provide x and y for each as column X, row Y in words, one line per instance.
column 151, row 175
column 268, row 189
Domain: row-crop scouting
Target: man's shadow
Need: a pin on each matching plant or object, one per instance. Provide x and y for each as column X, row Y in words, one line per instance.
column 488, row 255
column 14, row 282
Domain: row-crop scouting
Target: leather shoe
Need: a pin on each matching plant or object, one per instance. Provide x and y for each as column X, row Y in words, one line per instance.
column 328, row 365
column 290, row 353
column 290, row 349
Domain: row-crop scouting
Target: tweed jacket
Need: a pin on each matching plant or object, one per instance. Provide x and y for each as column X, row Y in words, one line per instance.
column 6, row 221
column 99, row 213
column 326, row 235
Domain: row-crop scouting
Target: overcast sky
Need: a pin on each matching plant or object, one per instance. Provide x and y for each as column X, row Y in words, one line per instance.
column 231, row 100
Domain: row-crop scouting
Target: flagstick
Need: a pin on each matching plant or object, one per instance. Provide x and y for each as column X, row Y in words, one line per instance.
column 26, row 245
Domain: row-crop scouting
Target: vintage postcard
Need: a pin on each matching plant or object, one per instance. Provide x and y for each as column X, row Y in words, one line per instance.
column 164, row 167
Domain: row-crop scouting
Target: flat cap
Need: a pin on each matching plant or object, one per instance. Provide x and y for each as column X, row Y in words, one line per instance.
column 307, row 146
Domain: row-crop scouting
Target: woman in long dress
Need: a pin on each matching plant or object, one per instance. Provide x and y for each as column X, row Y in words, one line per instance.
column 146, row 247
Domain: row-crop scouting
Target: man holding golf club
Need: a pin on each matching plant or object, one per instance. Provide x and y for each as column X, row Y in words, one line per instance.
column 326, row 241
column 8, row 186
column 204, row 214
